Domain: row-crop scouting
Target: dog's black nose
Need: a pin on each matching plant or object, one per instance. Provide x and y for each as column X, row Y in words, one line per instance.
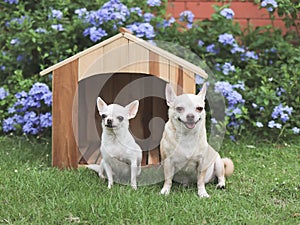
column 109, row 121
column 190, row 117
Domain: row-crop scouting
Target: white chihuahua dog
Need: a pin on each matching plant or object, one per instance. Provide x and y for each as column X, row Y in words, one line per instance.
column 117, row 143
column 184, row 144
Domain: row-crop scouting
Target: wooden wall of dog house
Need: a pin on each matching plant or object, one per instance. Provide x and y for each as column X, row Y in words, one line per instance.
column 138, row 59
column 121, row 55
column 64, row 147
column 183, row 80
column 189, row 85
column 158, row 66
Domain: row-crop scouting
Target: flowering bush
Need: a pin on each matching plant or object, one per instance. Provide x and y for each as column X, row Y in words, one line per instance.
column 30, row 114
column 256, row 70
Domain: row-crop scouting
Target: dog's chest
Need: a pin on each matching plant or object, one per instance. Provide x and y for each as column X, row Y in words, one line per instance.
column 113, row 150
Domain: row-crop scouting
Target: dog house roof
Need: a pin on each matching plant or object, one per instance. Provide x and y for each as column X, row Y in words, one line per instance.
column 133, row 39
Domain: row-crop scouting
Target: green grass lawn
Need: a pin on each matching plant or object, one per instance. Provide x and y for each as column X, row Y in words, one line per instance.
column 264, row 189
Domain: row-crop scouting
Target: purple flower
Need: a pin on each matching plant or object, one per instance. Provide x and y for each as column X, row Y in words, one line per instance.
column 213, row 121
column 237, row 111
column 212, row 49
column 142, row 30
column 154, row 2
column 8, row 125
column 270, row 4
column 20, row 58
column 272, row 124
column 259, row 124
column 56, row 14
column 3, row 93
column 168, row 23
column 81, row 12
column 186, row 16
column 46, row 120
column 240, row 85
column 236, row 49
column 21, row 94
column 198, row 79
column 254, row 105
column 200, row 43
column 58, row 27
column 40, row 30
column 282, row 112
column 38, row 90
column 18, row 119
column 223, row 87
column 226, row 39
column 227, row 90
column 95, row 33
column 250, row 55
column 137, row 10
column 11, row 110
column 14, row 41
column 19, row 21
column 280, row 90
column 148, row 17
column 227, row 13
column 12, row 1
column 296, row 130
column 2, row 68
column 227, row 67
column 30, row 128
column 47, row 98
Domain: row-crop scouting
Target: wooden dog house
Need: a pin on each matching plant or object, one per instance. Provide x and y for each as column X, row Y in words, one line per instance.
column 120, row 69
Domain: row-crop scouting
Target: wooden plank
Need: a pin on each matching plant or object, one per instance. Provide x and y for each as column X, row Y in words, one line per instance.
column 115, row 56
column 80, row 54
column 138, row 59
column 176, row 77
column 164, row 68
column 154, row 64
column 90, row 64
column 189, row 85
column 64, row 147
column 173, row 75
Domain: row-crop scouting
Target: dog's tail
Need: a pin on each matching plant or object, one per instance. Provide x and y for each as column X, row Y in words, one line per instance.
column 229, row 167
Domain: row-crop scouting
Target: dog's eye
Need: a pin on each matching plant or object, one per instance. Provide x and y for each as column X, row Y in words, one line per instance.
column 103, row 116
column 179, row 109
column 120, row 118
column 199, row 109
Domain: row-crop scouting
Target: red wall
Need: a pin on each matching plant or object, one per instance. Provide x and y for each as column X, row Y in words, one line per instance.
column 246, row 12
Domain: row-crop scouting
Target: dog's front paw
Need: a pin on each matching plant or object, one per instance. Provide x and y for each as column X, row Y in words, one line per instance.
column 134, row 186
column 203, row 194
column 220, row 186
column 110, row 184
column 165, row 191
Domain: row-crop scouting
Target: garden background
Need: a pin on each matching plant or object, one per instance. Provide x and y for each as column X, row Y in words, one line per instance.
column 255, row 68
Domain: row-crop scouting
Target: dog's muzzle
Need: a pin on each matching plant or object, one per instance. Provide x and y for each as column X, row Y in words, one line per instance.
column 109, row 123
column 190, row 124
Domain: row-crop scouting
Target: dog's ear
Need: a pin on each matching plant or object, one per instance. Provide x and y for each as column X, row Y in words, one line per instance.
column 101, row 104
column 203, row 90
column 170, row 95
column 132, row 109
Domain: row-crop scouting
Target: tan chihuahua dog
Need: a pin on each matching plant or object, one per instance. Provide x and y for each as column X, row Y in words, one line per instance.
column 184, row 144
